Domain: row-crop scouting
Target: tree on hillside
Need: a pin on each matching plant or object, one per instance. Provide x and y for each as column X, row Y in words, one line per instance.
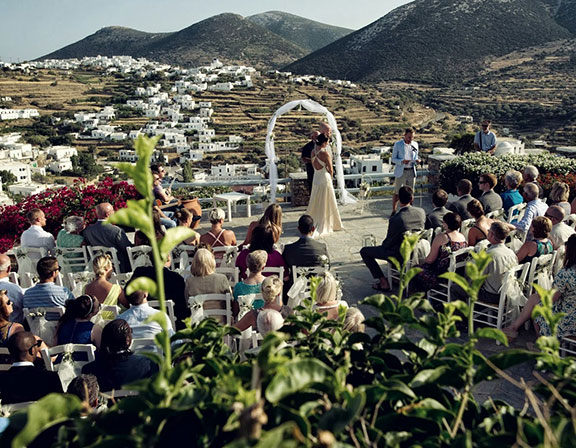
column 85, row 165
column 7, row 178
column 187, row 172
column 462, row 143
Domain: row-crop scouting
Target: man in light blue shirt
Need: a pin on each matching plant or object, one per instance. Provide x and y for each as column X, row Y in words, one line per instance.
column 405, row 157
column 137, row 315
column 485, row 140
column 13, row 291
column 534, row 208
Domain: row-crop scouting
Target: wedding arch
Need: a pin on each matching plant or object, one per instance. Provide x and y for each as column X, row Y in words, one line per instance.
column 312, row 106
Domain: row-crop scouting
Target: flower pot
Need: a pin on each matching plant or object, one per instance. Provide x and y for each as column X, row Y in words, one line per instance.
column 194, row 206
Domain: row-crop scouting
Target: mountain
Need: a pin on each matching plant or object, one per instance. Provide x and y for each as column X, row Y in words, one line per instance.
column 307, row 34
column 229, row 37
column 109, row 41
column 436, row 41
column 564, row 12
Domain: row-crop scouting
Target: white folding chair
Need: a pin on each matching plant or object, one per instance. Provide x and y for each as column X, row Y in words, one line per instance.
column 144, row 345
column 139, row 256
column 568, row 346
column 420, row 252
column 27, row 259
column 121, row 279
column 169, row 310
column 13, row 277
column 540, row 272
column 5, row 363
column 31, row 279
column 516, row 212
column 220, row 306
column 77, row 281
column 496, row 214
column 559, row 260
column 182, row 256
column 67, row 352
column 501, row 314
column 515, row 240
column 94, row 251
column 571, row 220
column 225, row 255
column 442, row 292
column 43, row 321
column 300, row 288
column 465, row 227
column 71, row 259
column 231, row 273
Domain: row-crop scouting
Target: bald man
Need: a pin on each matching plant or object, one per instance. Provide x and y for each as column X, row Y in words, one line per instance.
column 13, row 291
column 560, row 230
column 108, row 235
column 24, row 382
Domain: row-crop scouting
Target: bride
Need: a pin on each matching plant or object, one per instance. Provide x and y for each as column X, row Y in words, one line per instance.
column 323, row 207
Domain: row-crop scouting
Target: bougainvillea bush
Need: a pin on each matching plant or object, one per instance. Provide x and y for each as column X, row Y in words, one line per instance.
column 78, row 199
column 470, row 166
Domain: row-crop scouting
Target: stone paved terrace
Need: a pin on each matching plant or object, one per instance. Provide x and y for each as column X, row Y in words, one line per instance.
column 344, row 248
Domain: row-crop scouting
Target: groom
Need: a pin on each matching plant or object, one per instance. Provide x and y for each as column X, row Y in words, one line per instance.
column 405, row 157
column 306, row 150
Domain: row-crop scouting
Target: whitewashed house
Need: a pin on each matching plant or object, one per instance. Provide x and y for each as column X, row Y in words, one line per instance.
column 20, row 170
column 15, row 114
column 58, row 166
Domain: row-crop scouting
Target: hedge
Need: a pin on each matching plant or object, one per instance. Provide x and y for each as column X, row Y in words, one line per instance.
column 552, row 168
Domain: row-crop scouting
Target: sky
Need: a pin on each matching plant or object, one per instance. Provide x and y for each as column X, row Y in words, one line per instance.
column 33, row 28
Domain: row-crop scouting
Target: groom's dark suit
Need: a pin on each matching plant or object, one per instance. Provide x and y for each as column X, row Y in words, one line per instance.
column 408, row 218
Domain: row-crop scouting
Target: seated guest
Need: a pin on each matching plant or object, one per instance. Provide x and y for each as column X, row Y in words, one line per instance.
column 560, row 230
column 438, row 260
column 115, row 364
column 71, row 234
column 573, row 206
column 173, row 289
column 46, row 293
column 490, row 200
column 107, row 293
column 272, row 218
column 186, row 219
column 7, row 328
column 205, row 279
column 262, row 239
column 482, row 225
column 271, row 292
column 269, row 321
column 354, row 321
column 137, row 317
column 108, row 235
column 327, row 302
column 140, row 239
column 306, row 251
column 463, row 189
column 559, row 196
column 407, row 218
column 25, row 382
column 86, row 388
column 35, row 235
column 218, row 236
column 252, row 284
column 165, row 197
column 540, row 244
column 14, row 292
column 434, row 218
column 530, row 174
column 511, row 196
column 564, row 300
column 75, row 326
column 534, row 208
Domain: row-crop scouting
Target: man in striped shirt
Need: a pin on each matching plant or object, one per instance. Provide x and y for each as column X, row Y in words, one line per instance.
column 46, row 293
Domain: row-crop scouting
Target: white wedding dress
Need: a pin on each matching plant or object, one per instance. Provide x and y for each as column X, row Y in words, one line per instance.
column 323, row 207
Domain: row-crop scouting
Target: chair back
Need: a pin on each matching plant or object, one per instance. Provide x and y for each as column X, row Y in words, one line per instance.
column 43, row 321
column 5, row 363
column 121, row 279
column 182, row 256
column 231, row 273
column 66, row 366
column 300, row 288
column 78, row 281
column 541, row 269
column 13, row 277
column 139, row 256
column 559, row 260
column 496, row 214
column 465, row 227
column 516, row 212
column 169, row 310
column 144, row 345
column 515, row 240
column 71, row 259
column 225, row 255
column 211, row 305
column 571, row 220
column 27, row 258
column 269, row 270
column 94, row 251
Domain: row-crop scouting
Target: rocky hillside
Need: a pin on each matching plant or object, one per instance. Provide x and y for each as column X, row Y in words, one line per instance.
column 307, row 34
column 436, row 41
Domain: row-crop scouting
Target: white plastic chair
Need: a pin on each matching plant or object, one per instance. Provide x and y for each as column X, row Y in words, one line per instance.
column 182, row 256
column 571, row 220
column 540, row 272
column 502, row 314
column 121, row 279
column 67, row 368
column 13, row 277
column 497, row 214
column 199, row 311
column 231, row 273
column 442, row 292
column 139, row 256
column 568, row 346
column 143, row 345
column 516, row 212
column 515, row 240
column 300, row 289
column 71, row 259
column 27, row 259
column 225, row 255
column 37, row 319
column 94, row 251
column 169, row 310
column 78, row 281
column 420, row 252
column 31, row 279
column 465, row 227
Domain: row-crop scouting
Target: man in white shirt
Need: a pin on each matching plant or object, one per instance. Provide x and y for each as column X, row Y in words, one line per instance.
column 35, row 235
column 13, row 291
column 137, row 315
column 560, row 230
column 405, row 157
column 534, row 208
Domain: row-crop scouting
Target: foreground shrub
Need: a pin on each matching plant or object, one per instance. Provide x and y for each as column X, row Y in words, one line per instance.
column 470, row 166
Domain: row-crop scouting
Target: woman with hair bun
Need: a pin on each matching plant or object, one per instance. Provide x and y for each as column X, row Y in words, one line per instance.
column 101, row 288
column 218, row 236
column 75, row 327
column 186, row 219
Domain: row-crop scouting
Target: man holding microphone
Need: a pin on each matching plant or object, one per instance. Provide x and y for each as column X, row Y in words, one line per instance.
column 405, row 157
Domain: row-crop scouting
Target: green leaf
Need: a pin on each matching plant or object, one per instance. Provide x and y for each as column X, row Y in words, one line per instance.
column 173, row 237
column 48, row 411
column 428, row 376
column 134, row 215
column 492, row 333
column 296, row 375
column 143, row 284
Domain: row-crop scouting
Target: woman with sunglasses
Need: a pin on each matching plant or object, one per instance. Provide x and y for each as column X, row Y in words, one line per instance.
column 75, row 327
column 7, row 328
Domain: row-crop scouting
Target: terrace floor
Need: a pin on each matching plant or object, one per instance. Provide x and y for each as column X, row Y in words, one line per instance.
column 344, row 247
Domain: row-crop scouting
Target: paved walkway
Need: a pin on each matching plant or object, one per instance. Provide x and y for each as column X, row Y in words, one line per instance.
column 371, row 218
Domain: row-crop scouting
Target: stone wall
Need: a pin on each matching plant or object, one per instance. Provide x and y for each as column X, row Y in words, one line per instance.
column 299, row 189
column 434, row 162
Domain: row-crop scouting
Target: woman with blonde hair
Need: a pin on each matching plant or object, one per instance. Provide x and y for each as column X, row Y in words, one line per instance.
column 272, row 218
column 107, row 293
column 204, row 278
column 272, row 295
column 218, row 236
column 327, row 302
column 252, row 284
column 559, row 196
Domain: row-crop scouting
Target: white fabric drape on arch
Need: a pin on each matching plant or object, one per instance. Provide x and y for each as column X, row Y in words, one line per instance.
column 312, row 106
